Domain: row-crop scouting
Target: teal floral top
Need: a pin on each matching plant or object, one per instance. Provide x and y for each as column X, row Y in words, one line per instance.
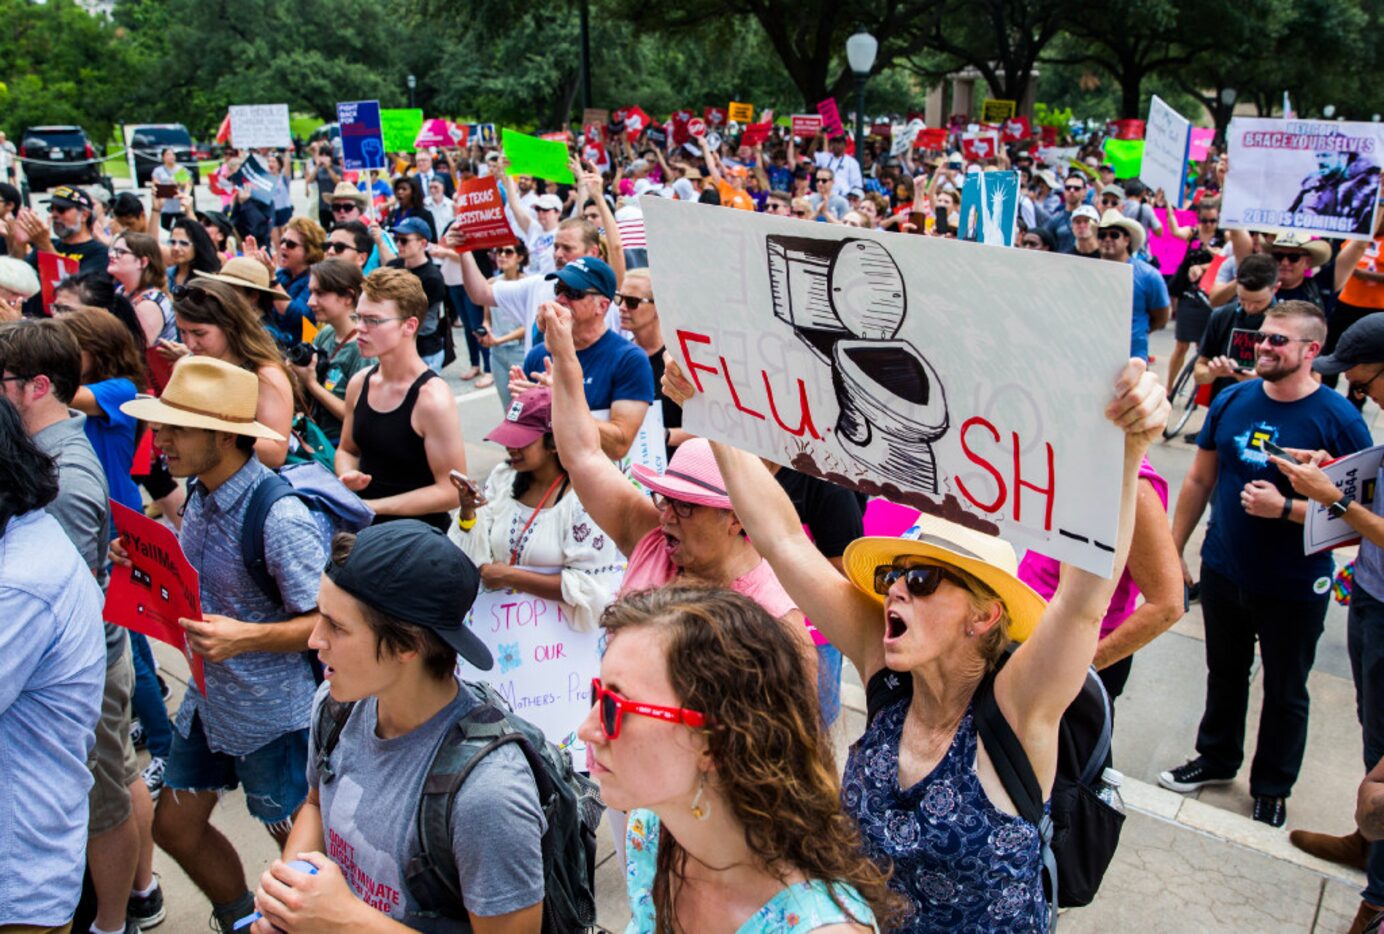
column 795, row 910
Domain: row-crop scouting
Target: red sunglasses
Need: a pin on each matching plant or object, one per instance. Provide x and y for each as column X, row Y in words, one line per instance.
column 613, row 707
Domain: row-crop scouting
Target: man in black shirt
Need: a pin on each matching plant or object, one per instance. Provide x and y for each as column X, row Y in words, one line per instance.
column 70, row 211
column 411, row 240
column 1226, row 354
column 1296, row 253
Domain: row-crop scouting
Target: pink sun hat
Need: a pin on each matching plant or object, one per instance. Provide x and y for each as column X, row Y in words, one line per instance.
column 692, row 476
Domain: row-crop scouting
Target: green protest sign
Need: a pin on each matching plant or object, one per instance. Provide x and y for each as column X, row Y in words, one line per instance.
column 400, row 127
column 1126, row 156
column 541, row 158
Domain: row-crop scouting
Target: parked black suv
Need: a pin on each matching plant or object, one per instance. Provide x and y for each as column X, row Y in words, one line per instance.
column 64, row 156
column 150, row 140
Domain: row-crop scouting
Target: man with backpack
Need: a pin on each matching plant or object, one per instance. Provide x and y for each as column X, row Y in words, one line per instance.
column 251, row 726
column 393, row 718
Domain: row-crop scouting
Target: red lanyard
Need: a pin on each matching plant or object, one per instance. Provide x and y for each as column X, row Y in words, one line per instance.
column 514, row 551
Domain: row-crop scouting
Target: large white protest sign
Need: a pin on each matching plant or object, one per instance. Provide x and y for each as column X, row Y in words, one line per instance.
column 543, row 667
column 256, row 126
column 964, row 381
column 1167, row 138
column 1317, row 176
column 1357, row 477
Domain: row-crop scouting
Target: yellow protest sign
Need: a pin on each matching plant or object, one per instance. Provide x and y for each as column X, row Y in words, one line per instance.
column 996, row 111
column 740, row 113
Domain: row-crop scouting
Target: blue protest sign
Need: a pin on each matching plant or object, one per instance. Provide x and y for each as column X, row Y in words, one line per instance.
column 362, row 135
column 990, row 208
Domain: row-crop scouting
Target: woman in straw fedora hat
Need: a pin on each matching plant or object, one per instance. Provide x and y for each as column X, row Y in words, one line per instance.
column 215, row 321
column 941, row 604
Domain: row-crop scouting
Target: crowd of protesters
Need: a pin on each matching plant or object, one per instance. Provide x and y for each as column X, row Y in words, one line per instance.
column 196, row 362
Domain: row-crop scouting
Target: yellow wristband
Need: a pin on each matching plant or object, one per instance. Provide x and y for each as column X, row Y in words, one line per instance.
column 466, row 525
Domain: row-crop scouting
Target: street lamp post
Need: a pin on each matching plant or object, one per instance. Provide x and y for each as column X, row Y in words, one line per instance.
column 860, row 55
column 1329, row 111
column 1228, row 96
column 412, row 84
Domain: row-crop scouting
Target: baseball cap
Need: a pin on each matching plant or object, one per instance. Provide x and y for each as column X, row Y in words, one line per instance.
column 1362, row 342
column 1087, row 211
column 409, row 570
column 67, row 196
column 855, row 193
column 529, row 418
column 412, row 226
column 585, row 274
column 1112, row 190
column 548, row 203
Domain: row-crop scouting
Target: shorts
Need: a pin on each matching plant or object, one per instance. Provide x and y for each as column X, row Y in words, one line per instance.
column 274, row 775
column 112, row 763
column 1190, row 322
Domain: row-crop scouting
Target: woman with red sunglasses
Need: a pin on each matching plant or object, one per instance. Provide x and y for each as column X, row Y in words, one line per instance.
column 734, row 818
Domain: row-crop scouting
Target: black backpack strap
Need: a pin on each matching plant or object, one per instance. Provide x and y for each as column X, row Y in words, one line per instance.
column 1095, row 765
column 330, row 721
column 252, row 551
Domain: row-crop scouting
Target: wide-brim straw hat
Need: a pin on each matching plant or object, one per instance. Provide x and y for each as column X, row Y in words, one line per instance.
column 247, row 273
column 207, row 393
column 988, row 559
column 345, row 191
column 1114, row 218
column 1318, row 251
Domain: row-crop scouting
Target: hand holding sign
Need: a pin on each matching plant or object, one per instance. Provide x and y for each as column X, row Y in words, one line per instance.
column 216, row 638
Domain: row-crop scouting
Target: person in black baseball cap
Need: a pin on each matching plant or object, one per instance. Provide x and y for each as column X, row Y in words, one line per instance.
column 1359, row 354
column 71, row 216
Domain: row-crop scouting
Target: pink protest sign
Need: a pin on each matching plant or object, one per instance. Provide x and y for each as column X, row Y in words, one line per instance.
column 1168, row 249
column 1201, row 142
column 831, row 117
column 888, row 519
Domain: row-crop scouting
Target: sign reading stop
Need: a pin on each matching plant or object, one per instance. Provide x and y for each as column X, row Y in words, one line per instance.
column 696, row 126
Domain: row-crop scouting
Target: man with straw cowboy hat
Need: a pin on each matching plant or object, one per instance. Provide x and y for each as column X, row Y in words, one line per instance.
column 251, row 726
column 349, row 203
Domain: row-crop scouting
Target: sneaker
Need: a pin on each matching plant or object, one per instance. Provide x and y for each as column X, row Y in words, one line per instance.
column 164, row 689
column 146, row 911
column 1194, row 592
column 1191, row 776
column 1191, row 437
column 153, row 776
column 137, row 737
column 1271, row 810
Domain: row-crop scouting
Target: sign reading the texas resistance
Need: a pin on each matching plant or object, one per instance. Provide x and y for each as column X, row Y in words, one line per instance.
column 1317, row 176
column 964, row 381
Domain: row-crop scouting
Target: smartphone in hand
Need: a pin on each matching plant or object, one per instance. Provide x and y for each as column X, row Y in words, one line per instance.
column 1268, row 447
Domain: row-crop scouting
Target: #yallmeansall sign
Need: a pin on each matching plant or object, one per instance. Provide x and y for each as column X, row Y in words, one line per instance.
column 1355, row 475
column 52, row 269
column 1167, row 139
column 806, row 126
column 925, row 370
column 400, row 126
column 362, row 138
column 997, row 111
column 980, row 145
column 158, row 588
column 831, row 117
column 1315, row 176
column 260, row 126
column 481, row 213
column 543, row 667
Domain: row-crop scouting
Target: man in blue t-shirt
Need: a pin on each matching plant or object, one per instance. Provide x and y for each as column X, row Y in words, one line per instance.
column 1256, row 584
column 1120, row 238
column 616, row 373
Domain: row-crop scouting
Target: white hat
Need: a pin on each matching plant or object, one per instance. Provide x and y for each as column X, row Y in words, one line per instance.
column 1088, row 212
column 548, row 202
column 18, row 276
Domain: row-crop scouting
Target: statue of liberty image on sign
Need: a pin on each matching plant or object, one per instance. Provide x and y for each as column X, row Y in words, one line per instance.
column 846, row 300
column 990, row 208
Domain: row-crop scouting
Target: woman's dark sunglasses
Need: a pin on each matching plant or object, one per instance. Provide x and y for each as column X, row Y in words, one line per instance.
column 920, row 581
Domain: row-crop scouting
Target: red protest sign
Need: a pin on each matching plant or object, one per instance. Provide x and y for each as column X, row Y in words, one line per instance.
column 715, row 116
column 882, row 130
column 978, row 146
column 806, row 126
column 831, row 117
column 1016, row 129
column 594, row 133
column 481, row 214
column 696, row 126
column 636, row 121
column 931, row 138
column 680, row 123
column 561, row 136
column 755, row 134
column 1048, row 135
column 52, row 269
column 157, row 588
column 1208, row 278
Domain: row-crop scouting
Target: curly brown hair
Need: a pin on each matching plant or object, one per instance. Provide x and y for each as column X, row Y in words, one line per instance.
column 774, row 763
column 108, row 344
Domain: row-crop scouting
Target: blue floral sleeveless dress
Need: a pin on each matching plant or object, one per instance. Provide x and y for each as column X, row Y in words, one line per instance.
column 962, row 863
column 795, row 910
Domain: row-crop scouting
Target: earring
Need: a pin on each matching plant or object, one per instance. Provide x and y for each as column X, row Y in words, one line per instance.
column 699, row 812
column 970, row 631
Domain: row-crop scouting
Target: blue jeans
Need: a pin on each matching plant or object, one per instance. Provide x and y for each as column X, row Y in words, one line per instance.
column 274, row 775
column 829, row 683
column 148, row 699
column 434, row 361
column 1365, row 645
column 472, row 318
column 502, row 357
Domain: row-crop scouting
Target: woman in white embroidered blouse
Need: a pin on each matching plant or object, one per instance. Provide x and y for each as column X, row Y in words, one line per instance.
column 529, row 517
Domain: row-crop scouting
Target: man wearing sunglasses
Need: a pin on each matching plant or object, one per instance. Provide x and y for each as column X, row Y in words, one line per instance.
column 348, row 207
column 1073, row 197
column 618, row 378
column 1120, row 238
column 1256, row 583
column 70, row 211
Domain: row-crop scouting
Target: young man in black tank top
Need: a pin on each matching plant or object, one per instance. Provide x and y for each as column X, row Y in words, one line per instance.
column 402, row 434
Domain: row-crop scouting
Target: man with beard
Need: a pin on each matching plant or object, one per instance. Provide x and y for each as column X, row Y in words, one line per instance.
column 1256, row 584
column 70, row 211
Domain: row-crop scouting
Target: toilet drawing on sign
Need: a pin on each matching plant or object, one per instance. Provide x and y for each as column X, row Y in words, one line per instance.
column 846, row 300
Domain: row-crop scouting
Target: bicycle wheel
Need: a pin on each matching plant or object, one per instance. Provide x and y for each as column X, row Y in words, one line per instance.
column 1184, row 400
